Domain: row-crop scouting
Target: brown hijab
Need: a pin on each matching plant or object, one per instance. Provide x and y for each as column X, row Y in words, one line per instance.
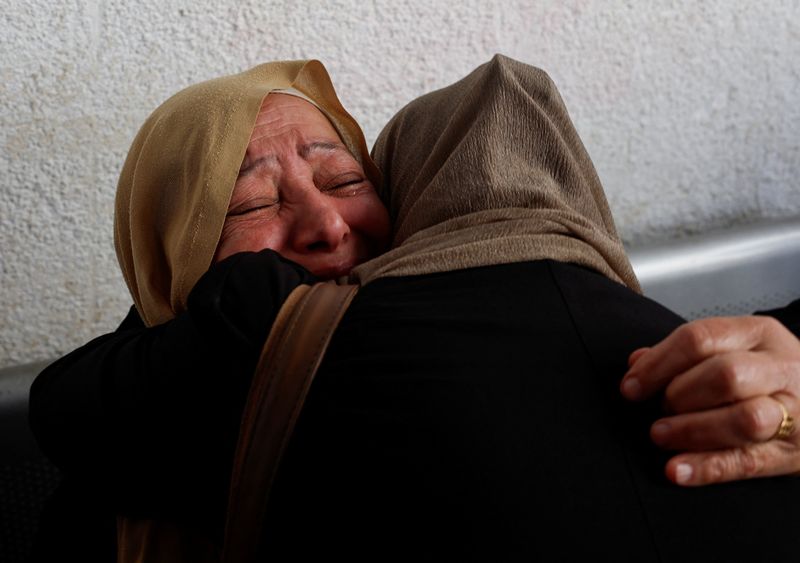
column 175, row 186
column 490, row 170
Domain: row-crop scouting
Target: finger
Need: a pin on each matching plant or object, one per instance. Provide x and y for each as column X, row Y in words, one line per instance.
column 741, row 424
column 685, row 347
column 769, row 459
column 635, row 355
column 724, row 379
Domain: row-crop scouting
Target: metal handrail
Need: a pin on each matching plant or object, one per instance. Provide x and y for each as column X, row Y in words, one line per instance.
column 730, row 272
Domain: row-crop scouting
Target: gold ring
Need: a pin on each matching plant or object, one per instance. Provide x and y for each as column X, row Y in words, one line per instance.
column 787, row 423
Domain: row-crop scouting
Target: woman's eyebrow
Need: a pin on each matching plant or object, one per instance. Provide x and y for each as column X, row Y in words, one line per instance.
column 304, row 151
column 308, row 148
column 260, row 161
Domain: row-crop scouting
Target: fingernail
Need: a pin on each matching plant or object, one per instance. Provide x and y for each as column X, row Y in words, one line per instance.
column 683, row 473
column 631, row 388
column 660, row 431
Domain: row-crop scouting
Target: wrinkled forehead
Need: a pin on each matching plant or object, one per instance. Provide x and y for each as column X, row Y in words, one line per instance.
column 294, row 102
column 286, row 122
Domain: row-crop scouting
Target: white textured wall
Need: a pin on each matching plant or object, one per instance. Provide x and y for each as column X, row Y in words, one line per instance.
column 690, row 110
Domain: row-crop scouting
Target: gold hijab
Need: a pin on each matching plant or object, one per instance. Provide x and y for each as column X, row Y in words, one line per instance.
column 177, row 181
column 490, row 170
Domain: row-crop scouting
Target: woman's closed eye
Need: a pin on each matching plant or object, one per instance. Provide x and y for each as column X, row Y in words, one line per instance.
column 266, row 197
column 252, row 206
column 346, row 186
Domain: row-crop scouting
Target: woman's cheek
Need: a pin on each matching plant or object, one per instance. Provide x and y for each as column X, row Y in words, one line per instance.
column 367, row 215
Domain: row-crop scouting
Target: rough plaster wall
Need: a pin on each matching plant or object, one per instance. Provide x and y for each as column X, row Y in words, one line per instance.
column 689, row 109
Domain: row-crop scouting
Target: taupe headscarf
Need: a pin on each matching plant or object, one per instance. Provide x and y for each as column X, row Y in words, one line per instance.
column 490, row 170
column 175, row 186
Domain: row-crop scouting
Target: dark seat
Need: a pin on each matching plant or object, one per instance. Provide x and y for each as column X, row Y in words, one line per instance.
column 27, row 478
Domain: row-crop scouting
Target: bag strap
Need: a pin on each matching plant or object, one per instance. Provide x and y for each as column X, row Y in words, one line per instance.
column 289, row 360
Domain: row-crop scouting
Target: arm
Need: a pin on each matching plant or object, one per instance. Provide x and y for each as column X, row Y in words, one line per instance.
column 724, row 381
column 151, row 414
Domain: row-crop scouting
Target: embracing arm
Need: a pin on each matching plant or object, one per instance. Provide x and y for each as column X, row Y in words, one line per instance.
column 143, row 409
column 725, row 383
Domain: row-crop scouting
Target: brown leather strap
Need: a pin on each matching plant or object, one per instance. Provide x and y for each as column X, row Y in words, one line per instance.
column 288, row 363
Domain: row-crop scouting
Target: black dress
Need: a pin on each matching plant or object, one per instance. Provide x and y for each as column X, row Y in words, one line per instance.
column 471, row 415
column 475, row 415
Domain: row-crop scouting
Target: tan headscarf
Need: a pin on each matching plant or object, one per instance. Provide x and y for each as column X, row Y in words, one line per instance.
column 174, row 190
column 490, row 170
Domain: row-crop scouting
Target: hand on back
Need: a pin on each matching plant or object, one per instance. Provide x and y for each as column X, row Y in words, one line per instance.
column 728, row 386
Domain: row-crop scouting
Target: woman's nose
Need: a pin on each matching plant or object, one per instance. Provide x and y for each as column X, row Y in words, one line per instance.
column 318, row 225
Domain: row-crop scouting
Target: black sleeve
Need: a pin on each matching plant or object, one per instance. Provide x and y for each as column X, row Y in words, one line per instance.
column 789, row 316
column 151, row 414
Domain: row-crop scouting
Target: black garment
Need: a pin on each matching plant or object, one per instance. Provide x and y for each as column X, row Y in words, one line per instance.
column 475, row 415
column 789, row 316
column 144, row 420
column 466, row 415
